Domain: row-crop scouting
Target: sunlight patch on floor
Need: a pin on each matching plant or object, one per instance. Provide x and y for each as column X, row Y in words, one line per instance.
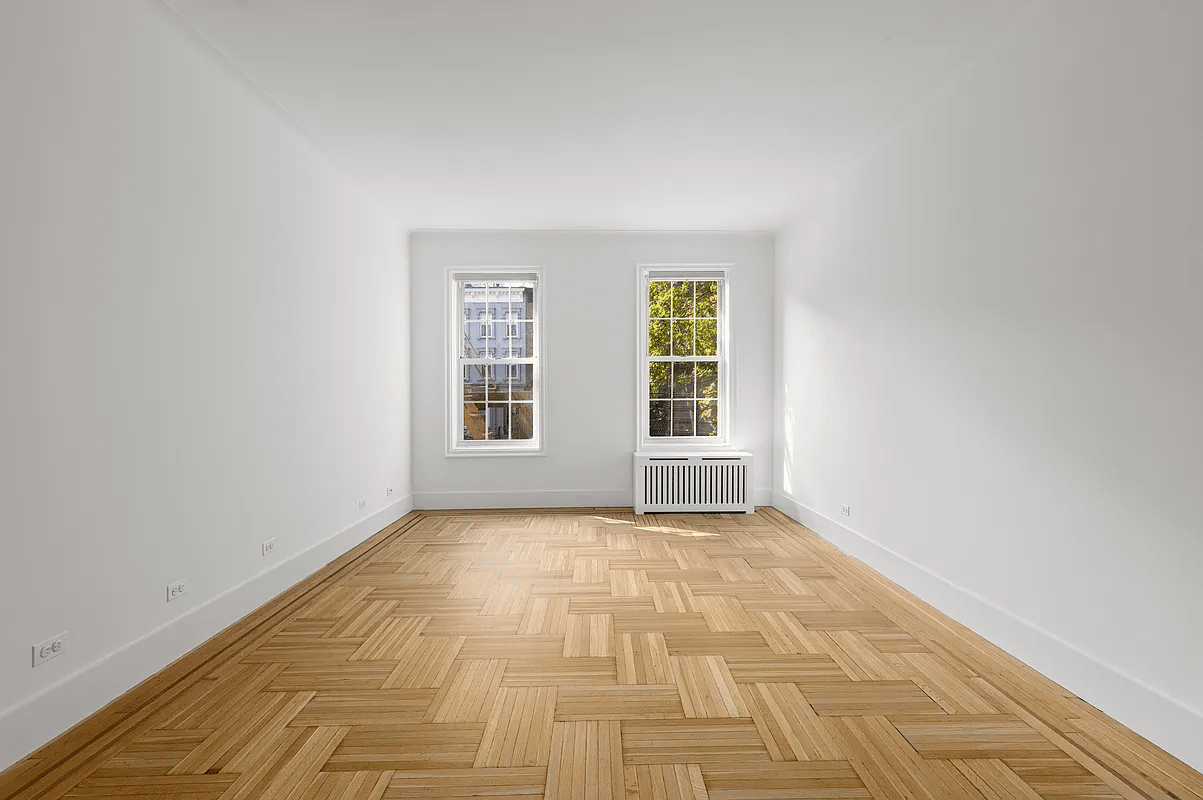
column 658, row 529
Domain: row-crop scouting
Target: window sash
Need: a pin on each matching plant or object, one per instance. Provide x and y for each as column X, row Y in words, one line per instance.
column 498, row 360
column 724, row 399
column 524, row 368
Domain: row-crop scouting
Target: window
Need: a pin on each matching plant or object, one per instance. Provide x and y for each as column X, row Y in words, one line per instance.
column 684, row 365
column 495, row 397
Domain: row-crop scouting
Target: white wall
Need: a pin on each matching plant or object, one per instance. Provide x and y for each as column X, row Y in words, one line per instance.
column 589, row 369
column 205, row 346
column 993, row 352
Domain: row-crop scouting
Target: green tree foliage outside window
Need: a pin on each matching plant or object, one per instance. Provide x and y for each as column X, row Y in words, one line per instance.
column 683, row 323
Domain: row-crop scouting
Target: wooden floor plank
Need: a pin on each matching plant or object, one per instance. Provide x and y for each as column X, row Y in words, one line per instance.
column 793, row 781
column 404, row 747
column 518, row 733
column 993, row 736
column 454, row 784
column 666, row 782
column 707, row 688
column 619, row 702
column 586, row 761
column 788, row 725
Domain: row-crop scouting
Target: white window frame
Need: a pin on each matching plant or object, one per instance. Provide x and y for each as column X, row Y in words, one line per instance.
column 456, row 446
column 646, row 273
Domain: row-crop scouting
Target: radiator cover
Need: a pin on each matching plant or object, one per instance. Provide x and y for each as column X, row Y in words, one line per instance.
column 715, row 482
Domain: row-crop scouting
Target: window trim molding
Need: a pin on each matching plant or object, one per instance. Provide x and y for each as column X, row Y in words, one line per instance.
column 726, row 382
column 453, row 401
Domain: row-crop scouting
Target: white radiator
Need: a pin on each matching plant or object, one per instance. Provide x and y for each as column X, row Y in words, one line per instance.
column 714, row 482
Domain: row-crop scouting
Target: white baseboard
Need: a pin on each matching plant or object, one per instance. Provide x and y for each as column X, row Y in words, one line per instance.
column 37, row 720
column 1161, row 719
column 544, row 498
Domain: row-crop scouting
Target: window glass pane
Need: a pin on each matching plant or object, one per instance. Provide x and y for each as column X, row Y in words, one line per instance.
column 683, row 379
column 499, row 299
column 682, row 337
column 498, row 418
column 707, row 378
column 474, row 383
column 706, row 298
column 707, row 331
column 522, row 300
column 682, row 298
column 522, row 343
column 522, row 382
column 707, row 418
column 659, row 416
column 474, row 299
column 499, row 387
column 659, row 300
column 474, row 422
column 659, row 378
column 682, row 423
column 658, row 337
column 522, row 421
column 470, row 342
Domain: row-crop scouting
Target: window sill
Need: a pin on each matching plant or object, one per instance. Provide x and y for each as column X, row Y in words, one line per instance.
column 494, row 452
column 684, row 445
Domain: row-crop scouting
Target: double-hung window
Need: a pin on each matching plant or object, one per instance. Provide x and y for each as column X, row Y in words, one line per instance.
column 685, row 368
column 495, row 393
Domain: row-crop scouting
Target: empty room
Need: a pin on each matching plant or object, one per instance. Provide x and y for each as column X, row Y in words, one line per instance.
column 587, row 399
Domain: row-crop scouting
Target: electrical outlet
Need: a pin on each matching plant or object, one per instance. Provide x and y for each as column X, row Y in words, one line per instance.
column 846, row 511
column 269, row 546
column 363, row 504
column 177, row 589
column 388, row 492
column 50, row 648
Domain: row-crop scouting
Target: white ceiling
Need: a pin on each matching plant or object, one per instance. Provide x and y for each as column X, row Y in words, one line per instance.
column 619, row 114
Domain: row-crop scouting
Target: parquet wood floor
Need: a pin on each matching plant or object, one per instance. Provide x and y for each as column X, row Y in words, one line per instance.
column 595, row 654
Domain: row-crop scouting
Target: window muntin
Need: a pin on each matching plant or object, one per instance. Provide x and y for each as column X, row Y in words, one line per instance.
column 684, row 364
column 495, row 394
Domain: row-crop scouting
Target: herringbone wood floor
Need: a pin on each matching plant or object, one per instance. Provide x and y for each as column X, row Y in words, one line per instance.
column 596, row 654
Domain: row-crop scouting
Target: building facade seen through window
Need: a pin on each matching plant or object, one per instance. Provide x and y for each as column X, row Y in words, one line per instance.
column 497, row 385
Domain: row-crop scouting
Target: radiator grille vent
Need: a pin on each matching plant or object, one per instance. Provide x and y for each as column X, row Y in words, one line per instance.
column 693, row 483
